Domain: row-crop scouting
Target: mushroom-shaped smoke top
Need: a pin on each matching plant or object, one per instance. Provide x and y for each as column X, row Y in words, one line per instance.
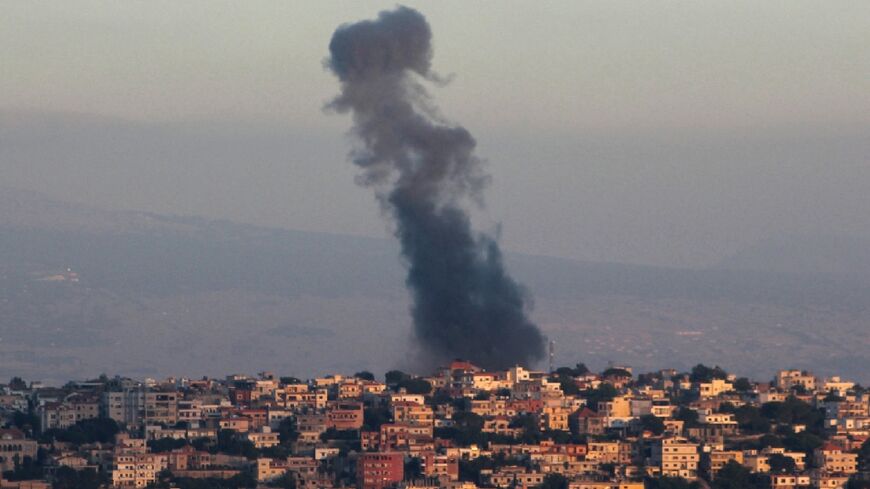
column 424, row 172
column 397, row 41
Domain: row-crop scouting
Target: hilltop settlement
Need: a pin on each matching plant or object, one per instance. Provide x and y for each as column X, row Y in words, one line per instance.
column 460, row 428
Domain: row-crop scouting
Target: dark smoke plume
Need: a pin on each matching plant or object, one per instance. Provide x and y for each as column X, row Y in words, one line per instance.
column 424, row 171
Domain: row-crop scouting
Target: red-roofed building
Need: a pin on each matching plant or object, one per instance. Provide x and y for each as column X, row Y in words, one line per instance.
column 832, row 459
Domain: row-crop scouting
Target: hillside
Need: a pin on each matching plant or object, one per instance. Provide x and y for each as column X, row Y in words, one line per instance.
column 157, row 294
column 827, row 254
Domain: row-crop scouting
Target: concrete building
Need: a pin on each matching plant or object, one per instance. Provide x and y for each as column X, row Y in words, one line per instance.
column 676, row 457
column 132, row 465
column 161, row 408
column 717, row 459
column 344, row 415
column 378, row 470
column 62, row 415
column 412, row 413
column 264, row 438
column 832, row 459
column 619, row 407
column 125, row 407
column 440, row 466
column 604, row 485
column 714, row 388
column 15, row 446
column 788, row 379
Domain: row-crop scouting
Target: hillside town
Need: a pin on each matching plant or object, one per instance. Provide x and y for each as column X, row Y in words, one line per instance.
column 460, row 428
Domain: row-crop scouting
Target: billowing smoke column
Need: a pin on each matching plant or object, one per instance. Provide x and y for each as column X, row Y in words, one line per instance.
column 424, row 171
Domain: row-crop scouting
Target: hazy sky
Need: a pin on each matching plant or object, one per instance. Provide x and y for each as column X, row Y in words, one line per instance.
column 668, row 133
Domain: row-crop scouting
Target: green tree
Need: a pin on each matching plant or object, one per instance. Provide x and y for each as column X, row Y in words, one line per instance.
column 278, row 451
column 26, row 422
column 240, row 481
column 393, row 377
column 803, row 442
column 605, row 392
column 482, row 396
column 616, row 372
column 413, row 468
column 469, row 426
column 648, row 378
column 750, row 420
column 466, row 430
column 833, row 397
column 742, row 385
column 101, row 430
column 469, row 470
column 25, row 469
column 414, row 386
column 666, row 482
column 735, row 476
column 201, row 444
column 287, row 433
column 67, row 478
column 364, row 375
column 375, row 416
column 795, row 411
column 780, row 464
column 703, row 373
column 864, row 456
column 578, row 370
column 554, row 481
column 529, row 424
column 334, row 434
column 560, row 437
column 689, row 417
column 286, row 481
column 230, row 443
column 652, row 423
column 565, row 377
column 165, row 444
column 769, row 440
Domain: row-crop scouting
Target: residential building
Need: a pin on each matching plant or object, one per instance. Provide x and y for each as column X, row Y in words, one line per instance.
column 379, row 470
column 676, row 457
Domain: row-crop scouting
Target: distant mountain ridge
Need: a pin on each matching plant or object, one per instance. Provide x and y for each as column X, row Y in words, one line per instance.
column 811, row 254
column 170, row 295
column 98, row 239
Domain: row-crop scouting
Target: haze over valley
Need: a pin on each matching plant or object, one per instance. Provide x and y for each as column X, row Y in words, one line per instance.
column 154, row 295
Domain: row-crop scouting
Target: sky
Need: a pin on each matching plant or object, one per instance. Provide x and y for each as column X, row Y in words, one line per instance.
column 664, row 133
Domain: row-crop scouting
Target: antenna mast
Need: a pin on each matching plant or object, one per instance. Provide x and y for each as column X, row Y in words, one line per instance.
column 552, row 347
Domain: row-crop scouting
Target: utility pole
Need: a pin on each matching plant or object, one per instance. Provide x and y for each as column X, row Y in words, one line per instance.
column 552, row 348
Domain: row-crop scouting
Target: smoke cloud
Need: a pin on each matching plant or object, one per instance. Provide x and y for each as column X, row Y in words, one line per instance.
column 425, row 173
